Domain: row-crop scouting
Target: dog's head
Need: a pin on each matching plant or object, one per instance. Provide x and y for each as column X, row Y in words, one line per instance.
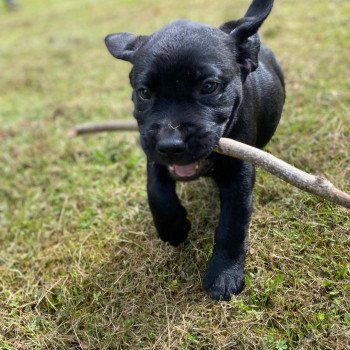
column 187, row 84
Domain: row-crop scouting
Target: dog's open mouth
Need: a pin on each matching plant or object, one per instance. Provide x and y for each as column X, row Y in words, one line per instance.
column 185, row 170
column 189, row 171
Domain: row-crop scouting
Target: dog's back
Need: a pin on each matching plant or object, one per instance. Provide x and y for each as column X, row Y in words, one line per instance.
column 263, row 100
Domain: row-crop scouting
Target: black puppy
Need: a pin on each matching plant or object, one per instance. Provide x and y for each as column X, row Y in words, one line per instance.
column 193, row 84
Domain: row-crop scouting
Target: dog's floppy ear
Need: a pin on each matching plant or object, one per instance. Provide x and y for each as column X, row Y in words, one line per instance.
column 245, row 36
column 124, row 45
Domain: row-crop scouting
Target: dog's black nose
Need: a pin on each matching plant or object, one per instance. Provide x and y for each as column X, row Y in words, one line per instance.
column 171, row 146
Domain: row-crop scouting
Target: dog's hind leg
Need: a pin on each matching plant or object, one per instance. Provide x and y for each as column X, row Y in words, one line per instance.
column 169, row 215
column 225, row 272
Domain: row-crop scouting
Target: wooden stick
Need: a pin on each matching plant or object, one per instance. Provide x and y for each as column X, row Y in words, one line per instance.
column 112, row 125
column 317, row 185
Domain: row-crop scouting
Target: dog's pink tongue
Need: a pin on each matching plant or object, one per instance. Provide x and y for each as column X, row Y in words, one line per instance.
column 185, row 170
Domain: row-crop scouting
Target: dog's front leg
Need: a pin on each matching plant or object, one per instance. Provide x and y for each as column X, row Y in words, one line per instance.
column 225, row 272
column 169, row 215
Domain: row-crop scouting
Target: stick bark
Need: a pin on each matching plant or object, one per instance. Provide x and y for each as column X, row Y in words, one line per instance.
column 317, row 185
column 112, row 125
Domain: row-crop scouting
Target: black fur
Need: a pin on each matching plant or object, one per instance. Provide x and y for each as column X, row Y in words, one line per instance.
column 180, row 124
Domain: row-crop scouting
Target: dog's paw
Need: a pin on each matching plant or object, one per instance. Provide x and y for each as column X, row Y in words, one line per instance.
column 175, row 232
column 223, row 278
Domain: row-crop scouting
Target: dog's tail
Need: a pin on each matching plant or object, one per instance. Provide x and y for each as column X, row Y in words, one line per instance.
column 253, row 19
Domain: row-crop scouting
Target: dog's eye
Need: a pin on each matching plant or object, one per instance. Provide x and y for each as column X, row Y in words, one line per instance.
column 209, row 87
column 144, row 94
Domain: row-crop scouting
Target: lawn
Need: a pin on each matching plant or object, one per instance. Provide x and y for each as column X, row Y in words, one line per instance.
column 81, row 266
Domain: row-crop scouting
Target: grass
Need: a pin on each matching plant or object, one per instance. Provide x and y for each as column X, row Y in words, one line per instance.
column 81, row 266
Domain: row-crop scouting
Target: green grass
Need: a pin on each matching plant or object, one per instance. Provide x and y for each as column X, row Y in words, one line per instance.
column 81, row 266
